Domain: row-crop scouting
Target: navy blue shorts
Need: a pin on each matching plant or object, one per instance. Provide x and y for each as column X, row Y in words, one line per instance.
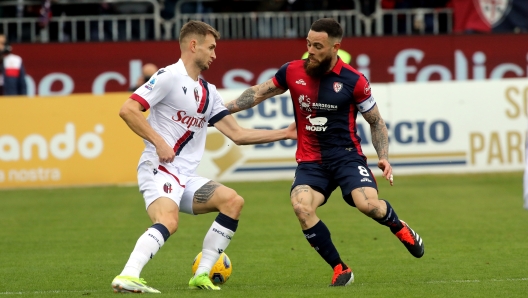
column 326, row 177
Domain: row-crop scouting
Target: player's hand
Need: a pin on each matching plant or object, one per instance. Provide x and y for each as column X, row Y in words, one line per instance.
column 165, row 153
column 291, row 131
column 385, row 166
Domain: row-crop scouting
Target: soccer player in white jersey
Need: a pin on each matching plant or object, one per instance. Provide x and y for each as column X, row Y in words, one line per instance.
column 181, row 107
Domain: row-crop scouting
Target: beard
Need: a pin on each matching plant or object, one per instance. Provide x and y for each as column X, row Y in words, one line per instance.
column 317, row 69
column 201, row 65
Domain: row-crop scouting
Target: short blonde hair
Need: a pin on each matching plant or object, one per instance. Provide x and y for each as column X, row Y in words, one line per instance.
column 198, row 28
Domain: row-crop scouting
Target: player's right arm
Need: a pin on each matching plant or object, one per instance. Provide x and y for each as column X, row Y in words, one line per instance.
column 253, row 96
column 132, row 113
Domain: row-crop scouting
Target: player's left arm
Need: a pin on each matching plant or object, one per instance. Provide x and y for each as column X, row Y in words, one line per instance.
column 380, row 136
column 245, row 136
column 380, row 140
column 253, row 96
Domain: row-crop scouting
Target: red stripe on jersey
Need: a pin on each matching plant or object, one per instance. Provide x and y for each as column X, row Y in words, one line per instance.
column 362, row 90
column 184, row 138
column 163, row 169
column 352, row 129
column 12, row 72
column 141, row 100
column 204, row 98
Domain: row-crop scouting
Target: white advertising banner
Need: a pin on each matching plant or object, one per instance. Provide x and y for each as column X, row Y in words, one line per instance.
column 434, row 127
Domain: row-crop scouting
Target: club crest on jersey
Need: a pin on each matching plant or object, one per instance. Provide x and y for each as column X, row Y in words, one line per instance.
column 338, row 86
column 167, row 187
column 196, row 95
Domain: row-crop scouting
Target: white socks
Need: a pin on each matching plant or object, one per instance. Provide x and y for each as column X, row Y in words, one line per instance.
column 216, row 241
column 146, row 247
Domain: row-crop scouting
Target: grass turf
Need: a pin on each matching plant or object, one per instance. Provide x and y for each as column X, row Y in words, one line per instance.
column 72, row 242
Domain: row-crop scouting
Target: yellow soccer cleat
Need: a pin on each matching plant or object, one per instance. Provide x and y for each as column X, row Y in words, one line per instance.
column 202, row 282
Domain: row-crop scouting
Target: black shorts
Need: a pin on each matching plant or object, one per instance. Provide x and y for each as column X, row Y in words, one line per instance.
column 326, row 177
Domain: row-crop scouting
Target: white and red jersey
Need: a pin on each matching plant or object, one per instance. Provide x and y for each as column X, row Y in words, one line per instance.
column 180, row 110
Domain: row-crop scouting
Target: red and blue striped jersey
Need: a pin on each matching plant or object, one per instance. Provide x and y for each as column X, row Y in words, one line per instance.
column 326, row 109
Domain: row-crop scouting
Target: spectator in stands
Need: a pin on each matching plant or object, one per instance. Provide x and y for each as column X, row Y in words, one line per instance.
column 147, row 71
column 12, row 73
column 420, row 22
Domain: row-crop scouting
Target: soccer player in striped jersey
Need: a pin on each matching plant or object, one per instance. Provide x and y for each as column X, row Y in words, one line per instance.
column 327, row 95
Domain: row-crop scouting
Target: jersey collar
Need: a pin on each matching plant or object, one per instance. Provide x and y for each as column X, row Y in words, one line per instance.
column 338, row 66
column 180, row 67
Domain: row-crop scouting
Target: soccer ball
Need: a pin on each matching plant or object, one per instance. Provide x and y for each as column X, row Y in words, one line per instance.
column 221, row 270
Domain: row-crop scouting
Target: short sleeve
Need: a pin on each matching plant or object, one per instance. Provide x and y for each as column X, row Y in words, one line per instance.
column 218, row 110
column 154, row 90
column 280, row 77
column 362, row 95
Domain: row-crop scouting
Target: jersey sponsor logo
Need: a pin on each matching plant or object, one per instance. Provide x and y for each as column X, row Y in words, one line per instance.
column 366, row 180
column 338, row 86
column 304, row 102
column 167, row 187
column 324, row 106
column 300, row 82
column 367, row 88
column 184, row 89
column 196, row 95
column 188, row 120
column 317, row 123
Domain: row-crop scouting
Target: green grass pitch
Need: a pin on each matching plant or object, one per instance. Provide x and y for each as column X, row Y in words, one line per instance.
column 72, row 242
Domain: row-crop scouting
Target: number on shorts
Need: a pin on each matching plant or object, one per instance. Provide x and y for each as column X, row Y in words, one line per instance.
column 363, row 171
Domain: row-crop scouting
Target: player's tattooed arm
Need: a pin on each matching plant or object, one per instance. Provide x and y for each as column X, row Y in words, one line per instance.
column 378, row 129
column 253, row 96
column 205, row 193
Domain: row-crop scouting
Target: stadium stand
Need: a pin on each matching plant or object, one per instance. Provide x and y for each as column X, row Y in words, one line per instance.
column 127, row 20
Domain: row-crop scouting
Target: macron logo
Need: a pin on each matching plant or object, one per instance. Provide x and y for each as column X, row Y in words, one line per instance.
column 300, row 82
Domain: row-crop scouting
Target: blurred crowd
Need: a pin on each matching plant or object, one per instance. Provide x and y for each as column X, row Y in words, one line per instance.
column 466, row 14
column 49, row 8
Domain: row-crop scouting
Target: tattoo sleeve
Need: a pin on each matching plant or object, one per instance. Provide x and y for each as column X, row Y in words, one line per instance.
column 245, row 101
column 253, row 96
column 380, row 135
column 205, row 193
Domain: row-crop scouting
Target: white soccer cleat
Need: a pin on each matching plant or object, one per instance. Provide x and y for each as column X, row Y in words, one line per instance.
column 129, row 284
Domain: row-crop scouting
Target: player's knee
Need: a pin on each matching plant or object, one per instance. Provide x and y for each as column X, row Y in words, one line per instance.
column 233, row 202
column 301, row 206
